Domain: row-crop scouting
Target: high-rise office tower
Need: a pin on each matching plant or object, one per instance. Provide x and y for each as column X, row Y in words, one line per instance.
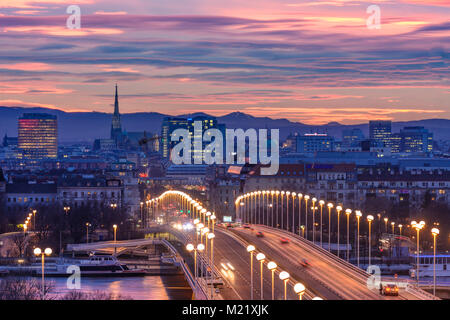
column 170, row 124
column 380, row 130
column 416, row 140
column 116, row 126
column 38, row 136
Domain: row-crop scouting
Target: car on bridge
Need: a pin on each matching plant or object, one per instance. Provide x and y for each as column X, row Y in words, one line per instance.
column 390, row 290
column 304, row 263
column 246, row 226
column 284, row 240
column 259, row 234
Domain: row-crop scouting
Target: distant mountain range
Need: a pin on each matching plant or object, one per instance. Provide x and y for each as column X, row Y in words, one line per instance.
column 87, row 126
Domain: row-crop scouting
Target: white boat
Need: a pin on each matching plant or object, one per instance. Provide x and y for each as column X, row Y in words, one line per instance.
column 95, row 265
column 426, row 266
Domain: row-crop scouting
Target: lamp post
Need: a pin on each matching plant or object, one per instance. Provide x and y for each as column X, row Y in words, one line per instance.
column 277, row 193
column 314, row 200
column 358, row 216
column 211, row 237
column 142, row 216
column 434, row 232
column 285, row 277
column 393, row 226
column 272, row 266
column 299, row 289
column 400, row 226
column 338, row 210
column 282, row 207
column 306, row 215
column 250, row 249
column 385, row 224
column 370, row 219
column 418, row 227
column 321, row 203
column 38, row 252
column 115, row 239
column 300, row 197
column 272, row 192
column 34, row 219
column 261, row 257
column 348, row 212
column 87, row 231
column 294, row 194
column 213, row 221
column 200, row 248
column 190, row 247
column 330, row 206
column 259, row 207
column 288, row 193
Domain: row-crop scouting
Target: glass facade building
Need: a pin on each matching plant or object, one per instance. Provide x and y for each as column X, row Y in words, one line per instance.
column 380, row 131
column 313, row 142
column 38, row 136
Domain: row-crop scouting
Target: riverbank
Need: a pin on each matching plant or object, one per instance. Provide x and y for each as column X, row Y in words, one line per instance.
column 170, row 287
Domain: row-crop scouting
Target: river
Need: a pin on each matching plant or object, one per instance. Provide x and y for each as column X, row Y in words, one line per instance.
column 171, row 287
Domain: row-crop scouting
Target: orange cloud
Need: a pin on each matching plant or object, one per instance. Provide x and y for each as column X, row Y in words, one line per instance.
column 28, row 66
column 63, row 31
column 36, row 3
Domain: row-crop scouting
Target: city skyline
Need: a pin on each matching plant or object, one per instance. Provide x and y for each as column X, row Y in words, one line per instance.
column 308, row 62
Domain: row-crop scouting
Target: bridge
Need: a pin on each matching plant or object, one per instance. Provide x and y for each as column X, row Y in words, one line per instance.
column 240, row 256
column 233, row 263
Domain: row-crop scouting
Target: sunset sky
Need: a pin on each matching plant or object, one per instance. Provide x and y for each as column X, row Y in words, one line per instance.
column 308, row 61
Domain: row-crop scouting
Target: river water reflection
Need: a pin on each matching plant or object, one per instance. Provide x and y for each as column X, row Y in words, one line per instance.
column 136, row 288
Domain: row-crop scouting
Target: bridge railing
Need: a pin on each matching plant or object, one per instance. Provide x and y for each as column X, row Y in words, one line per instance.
column 324, row 252
column 193, row 283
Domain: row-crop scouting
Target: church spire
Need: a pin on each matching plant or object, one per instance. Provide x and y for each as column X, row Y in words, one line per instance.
column 116, row 103
column 116, row 126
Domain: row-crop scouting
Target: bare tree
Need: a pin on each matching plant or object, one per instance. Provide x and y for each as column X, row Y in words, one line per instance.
column 20, row 241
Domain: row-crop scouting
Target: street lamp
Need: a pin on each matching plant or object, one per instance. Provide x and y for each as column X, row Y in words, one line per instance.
column 213, row 221
column 330, row 206
column 285, row 277
column 261, row 257
column 200, row 248
column 434, row 232
column 299, row 289
column 211, row 237
column 370, row 219
column 338, row 210
column 385, row 224
column 272, row 266
column 400, row 226
column 190, row 247
column 87, row 231
column 38, row 252
column 418, row 227
column 321, row 203
column 115, row 239
column 142, row 216
column 300, row 197
column 358, row 216
column 393, row 226
column 348, row 212
column 314, row 208
column 294, row 194
column 250, row 249
column 306, row 215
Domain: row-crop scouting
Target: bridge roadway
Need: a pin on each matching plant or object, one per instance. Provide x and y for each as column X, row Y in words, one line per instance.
column 327, row 276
